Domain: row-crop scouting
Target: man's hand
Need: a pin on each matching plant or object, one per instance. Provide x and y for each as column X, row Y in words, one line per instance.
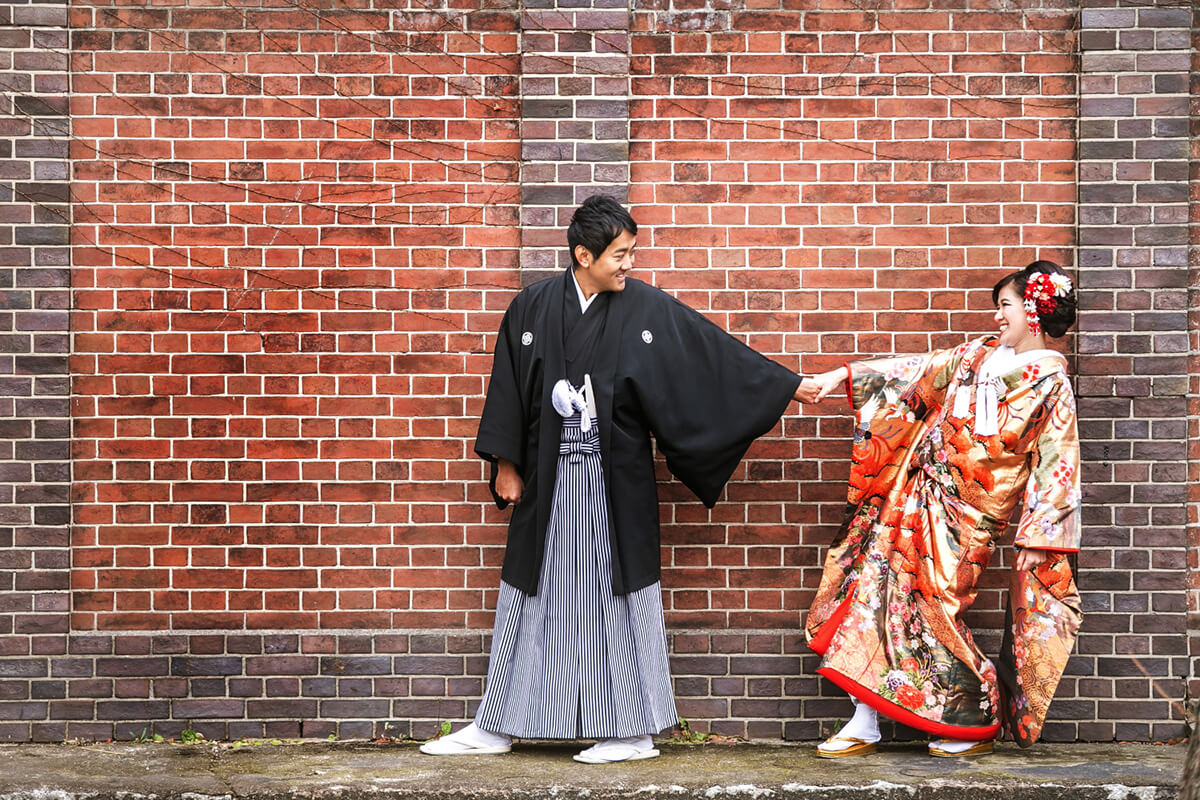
column 509, row 485
column 1030, row 558
column 806, row 392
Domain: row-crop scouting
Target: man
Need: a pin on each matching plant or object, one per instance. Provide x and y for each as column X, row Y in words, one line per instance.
column 587, row 366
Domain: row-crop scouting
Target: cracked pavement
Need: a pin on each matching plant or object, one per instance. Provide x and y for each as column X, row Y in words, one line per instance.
column 382, row 771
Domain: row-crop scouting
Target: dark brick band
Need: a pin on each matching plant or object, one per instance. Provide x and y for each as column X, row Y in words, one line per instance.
column 34, row 331
column 752, row 684
column 574, row 121
column 1132, row 657
column 1193, row 432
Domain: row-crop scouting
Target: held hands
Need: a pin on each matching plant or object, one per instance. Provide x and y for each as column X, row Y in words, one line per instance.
column 1030, row 559
column 509, row 485
column 828, row 381
column 818, row 387
column 806, row 392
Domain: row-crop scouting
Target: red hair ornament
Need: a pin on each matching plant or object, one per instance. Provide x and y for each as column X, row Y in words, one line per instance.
column 1041, row 297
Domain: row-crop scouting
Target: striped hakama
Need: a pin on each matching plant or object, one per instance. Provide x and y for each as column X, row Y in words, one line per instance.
column 575, row 661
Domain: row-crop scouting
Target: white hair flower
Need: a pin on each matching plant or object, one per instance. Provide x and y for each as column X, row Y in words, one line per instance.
column 1062, row 284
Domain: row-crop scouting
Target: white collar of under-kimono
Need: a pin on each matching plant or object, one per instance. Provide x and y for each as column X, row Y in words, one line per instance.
column 584, row 302
column 565, row 398
column 1002, row 361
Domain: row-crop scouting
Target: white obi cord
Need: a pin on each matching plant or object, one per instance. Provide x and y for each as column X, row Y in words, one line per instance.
column 988, row 385
column 566, row 400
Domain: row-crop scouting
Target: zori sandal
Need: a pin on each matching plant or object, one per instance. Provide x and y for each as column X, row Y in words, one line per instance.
column 950, row 748
column 857, row 747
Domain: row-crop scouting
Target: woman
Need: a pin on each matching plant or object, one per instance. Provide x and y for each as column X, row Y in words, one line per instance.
column 945, row 446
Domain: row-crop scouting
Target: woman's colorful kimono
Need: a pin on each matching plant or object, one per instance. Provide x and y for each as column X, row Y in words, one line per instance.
column 929, row 497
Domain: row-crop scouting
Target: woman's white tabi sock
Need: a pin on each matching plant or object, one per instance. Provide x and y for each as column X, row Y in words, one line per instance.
column 953, row 745
column 864, row 725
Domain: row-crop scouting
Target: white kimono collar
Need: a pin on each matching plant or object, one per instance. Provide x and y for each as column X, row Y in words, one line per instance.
column 565, row 398
column 584, row 302
column 1002, row 361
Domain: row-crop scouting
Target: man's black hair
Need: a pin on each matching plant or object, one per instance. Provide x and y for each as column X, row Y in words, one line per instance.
column 596, row 223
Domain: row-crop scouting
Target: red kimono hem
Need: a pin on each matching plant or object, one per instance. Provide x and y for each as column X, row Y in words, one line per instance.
column 904, row 716
column 1067, row 550
column 820, row 643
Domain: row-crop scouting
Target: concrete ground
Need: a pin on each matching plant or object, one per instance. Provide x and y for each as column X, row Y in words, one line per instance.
column 387, row 771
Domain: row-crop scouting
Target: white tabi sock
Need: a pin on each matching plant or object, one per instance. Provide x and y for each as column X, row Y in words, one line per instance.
column 953, row 745
column 630, row 748
column 469, row 740
column 641, row 743
column 863, row 725
column 478, row 737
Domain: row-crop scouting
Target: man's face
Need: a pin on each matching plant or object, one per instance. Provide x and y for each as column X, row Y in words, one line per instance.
column 606, row 273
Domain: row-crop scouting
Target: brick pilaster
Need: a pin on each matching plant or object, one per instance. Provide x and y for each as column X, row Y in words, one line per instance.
column 34, row 346
column 1133, row 364
column 1193, row 434
column 574, row 119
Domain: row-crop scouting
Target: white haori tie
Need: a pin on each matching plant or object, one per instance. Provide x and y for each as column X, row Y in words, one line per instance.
column 988, row 386
column 566, row 400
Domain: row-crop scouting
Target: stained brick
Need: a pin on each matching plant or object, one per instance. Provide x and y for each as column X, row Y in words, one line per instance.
column 362, row 709
column 23, row 667
column 207, row 709
column 288, row 709
column 25, row 711
column 369, row 665
column 191, row 665
column 121, row 710
column 281, row 665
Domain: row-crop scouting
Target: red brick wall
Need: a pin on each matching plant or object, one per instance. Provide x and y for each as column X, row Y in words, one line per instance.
column 295, row 228
column 831, row 184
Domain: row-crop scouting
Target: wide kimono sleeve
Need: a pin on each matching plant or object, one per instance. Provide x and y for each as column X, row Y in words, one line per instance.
column 503, row 423
column 1050, row 514
column 893, row 398
column 1044, row 609
column 706, row 396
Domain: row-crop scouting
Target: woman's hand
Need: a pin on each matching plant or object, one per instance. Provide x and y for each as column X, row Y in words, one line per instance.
column 509, row 485
column 828, row 381
column 1030, row 558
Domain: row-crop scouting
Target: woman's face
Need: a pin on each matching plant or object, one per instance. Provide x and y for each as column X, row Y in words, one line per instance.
column 1010, row 317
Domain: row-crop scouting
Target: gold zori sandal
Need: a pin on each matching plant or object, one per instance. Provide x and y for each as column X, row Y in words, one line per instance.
column 859, row 747
column 977, row 749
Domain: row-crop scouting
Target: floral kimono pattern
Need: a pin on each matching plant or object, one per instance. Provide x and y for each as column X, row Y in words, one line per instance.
column 929, row 497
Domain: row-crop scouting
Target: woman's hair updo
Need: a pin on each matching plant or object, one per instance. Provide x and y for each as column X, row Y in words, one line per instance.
column 1055, row 322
